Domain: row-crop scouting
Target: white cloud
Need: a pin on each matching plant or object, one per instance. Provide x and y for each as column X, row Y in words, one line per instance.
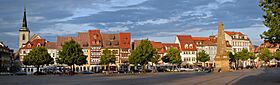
column 159, row 21
column 65, row 29
column 35, row 18
column 11, row 33
column 257, row 19
column 205, row 11
column 112, row 5
column 224, row 1
column 116, row 29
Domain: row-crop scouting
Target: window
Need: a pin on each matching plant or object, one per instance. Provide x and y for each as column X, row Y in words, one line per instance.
column 191, row 46
column 29, row 45
column 186, row 46
column 23, row 36
column 38, row 44
column 94, row 36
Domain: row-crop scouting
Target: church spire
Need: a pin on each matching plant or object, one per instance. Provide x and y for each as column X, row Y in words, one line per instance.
column 24, row 22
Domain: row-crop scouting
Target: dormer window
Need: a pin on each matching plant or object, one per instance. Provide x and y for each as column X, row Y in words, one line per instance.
column 94, row 36
column 191, row 46
column 97, row 42
column 38, row 44
column 29, row 45
column 186, row 46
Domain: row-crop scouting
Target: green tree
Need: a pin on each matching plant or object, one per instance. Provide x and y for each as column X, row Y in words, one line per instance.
column 272, row 20
column 277, row 56
column 244, row 55
column 203, row 57
column 107, row 58
column 37, row 57
column 173, row 57
column 233, row 58
column 265, row 55
column 71, row 54
column 155, row 60
column 142, row 54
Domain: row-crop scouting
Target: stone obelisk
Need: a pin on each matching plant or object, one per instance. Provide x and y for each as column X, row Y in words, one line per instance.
column 221, row 59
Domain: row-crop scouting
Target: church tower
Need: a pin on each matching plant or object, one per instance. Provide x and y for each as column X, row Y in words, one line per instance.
column 24, row 32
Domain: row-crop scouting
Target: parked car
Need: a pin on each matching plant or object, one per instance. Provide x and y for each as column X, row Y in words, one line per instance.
column 197, row 68
column 20, row 73
column 186, row 69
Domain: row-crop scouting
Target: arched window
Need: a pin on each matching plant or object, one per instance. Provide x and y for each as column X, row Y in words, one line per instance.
column 23, row 36
column 191, row 46
column 186, row 46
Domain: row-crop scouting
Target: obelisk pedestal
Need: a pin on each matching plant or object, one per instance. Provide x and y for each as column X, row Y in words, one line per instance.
column 221, row 59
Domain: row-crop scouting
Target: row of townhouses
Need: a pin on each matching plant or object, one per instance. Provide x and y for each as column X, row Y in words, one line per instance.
column 94, row 41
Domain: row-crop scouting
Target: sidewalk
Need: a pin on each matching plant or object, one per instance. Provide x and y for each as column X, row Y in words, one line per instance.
column 223, row 78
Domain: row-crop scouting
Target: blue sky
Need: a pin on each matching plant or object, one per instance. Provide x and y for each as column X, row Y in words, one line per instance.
column 159, row 20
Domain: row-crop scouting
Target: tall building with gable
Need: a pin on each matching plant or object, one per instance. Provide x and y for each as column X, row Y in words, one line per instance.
column 188, row 49
column 238, row 41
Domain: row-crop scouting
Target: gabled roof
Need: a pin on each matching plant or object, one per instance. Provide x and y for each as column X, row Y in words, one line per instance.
column 35, row 36
column 34, row 43
column 233, row 33
column 200, row 38
column 51, row 45
column 185, row 43
column 167, row 46
column 95, row 38
column 156, row 45
column 62, row 39
column 125, row 40
column 204, row 41
column 111, row 40
column 83, row 39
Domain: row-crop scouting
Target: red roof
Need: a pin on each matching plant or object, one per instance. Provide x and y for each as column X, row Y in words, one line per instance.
column 204, row 41
column 125, row 40
column 170, row 45
column 200, row 38
column 270, row 46
column 62, row 39
column 95, row 38
column 185, row 43
column 111, row 40
column 156, row 45
column 34, row 43
column 233, row 33
column 51, row 45
column 83, row 39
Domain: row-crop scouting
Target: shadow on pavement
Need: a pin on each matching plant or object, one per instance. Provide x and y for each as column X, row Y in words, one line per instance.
column 269, row 76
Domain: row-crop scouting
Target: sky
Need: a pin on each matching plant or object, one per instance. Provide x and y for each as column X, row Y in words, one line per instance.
column 158, row 20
